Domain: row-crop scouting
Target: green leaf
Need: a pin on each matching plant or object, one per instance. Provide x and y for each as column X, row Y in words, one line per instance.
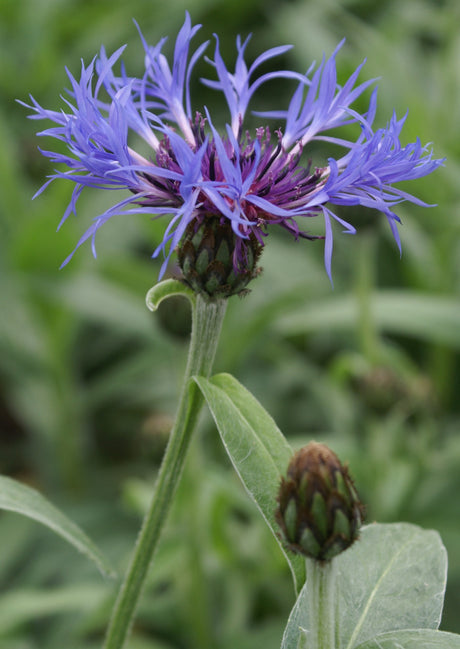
column 394, row 577
column 19, row 498
column 414, row 639
column 421, row 315
column 257, row 448
column 399, row 573
column 165, row 289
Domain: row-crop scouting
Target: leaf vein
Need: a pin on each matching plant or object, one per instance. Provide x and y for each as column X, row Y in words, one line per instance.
column 360, row 622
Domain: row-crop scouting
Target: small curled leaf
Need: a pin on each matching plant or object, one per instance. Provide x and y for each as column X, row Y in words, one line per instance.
column 168, row 288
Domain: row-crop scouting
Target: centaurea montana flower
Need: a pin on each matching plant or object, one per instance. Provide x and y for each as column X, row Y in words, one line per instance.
column 198, row 175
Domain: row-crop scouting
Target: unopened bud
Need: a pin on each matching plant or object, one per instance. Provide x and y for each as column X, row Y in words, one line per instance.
column 319, row 511
column 216, row 262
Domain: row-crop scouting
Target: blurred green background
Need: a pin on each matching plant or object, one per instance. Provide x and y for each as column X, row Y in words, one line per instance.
column 89, row 378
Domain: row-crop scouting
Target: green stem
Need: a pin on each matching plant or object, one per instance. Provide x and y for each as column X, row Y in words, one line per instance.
column 207, row 319
column 196, row 582
column 321, row 597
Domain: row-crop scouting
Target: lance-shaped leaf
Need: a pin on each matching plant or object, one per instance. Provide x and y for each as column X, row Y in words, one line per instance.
column 392, row 578
column 19, row 498
column 258, row 450
column 414, row 639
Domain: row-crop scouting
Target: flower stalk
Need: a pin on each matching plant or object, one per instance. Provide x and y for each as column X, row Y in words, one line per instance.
column 321, row 598
column 207, row 317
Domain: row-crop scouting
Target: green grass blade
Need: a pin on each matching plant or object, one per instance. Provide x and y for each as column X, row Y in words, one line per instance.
column 19, row 498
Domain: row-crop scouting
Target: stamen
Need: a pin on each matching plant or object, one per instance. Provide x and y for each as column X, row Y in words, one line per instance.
column 212, row 170
column 270, row 162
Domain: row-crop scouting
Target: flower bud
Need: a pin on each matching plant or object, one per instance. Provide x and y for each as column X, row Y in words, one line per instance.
column 216, row 262
column 318, row 511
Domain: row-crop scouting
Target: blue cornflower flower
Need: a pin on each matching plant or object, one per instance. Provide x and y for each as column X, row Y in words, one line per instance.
column 198, row 175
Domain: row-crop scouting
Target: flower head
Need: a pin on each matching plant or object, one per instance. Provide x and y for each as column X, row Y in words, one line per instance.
column 196, row 172
column 319, row 511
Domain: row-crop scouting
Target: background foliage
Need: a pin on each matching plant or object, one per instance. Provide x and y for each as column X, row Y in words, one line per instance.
column 89, row 378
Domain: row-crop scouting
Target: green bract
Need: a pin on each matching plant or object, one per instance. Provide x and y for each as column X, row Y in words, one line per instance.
column 208, row 260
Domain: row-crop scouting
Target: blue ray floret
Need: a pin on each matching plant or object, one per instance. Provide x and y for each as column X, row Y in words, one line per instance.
column 196, row 172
